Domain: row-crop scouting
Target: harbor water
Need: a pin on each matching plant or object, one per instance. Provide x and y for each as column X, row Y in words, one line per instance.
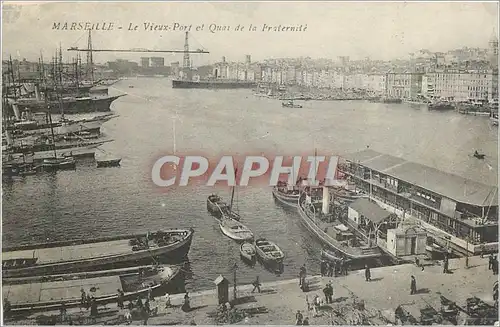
column 156, row 120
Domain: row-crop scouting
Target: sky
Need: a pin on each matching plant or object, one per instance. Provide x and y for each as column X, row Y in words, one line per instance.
column 379, row 30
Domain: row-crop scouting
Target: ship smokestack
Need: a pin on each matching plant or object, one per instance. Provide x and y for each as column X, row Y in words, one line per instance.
column 248, row 59
column 223, row 60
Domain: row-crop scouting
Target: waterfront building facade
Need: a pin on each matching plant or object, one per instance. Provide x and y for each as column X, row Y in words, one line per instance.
column 404, row 85
column 452, row 208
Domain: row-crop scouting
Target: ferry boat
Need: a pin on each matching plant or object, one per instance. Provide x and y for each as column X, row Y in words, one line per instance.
column 95, row 254
column 286, row 194
column 334, row 235
column 45, row 292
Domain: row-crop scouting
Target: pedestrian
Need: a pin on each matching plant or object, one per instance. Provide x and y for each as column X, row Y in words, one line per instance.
column 316, row 305
column 150, row 294
column 490, row 262
column 168, row 303
column 6, row 307
column 495, row 266
column 186, row 306
column 413, row 286
column 302, row 274
column 83, row 299
column 256, row 285
column 147, row 306
column 330, row 292
column 130, row 305
column 305, row 322
column 325, row 291
column 119, row 299
column 308, row 304
column 145, row 315
column 128, row 317
column 331, row 268
column 93, row 310
column 368, row 275
column 323, row 268
column 298, row 318
column 337, row 268
column 139, row 302
column 63, row 311
column 445, row 265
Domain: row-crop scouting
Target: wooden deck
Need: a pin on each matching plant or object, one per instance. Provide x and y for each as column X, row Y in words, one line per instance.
column 59, row 290
column 72, row 252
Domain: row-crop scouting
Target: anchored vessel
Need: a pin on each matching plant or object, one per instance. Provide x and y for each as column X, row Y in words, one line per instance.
column 248, row 252
column 286, row 194
column 235, row 230
column 46, row 293
column 220, row 209
column 270, row 254
column 96, row 254
column 334, row 236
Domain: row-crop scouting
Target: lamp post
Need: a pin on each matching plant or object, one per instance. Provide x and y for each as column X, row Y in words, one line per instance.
column 235, row 267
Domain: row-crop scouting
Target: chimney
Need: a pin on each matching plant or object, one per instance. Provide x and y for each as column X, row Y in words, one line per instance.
column 248, row 59
column 223, row 60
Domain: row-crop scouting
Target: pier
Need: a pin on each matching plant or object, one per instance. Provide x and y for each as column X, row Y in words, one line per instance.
column 279, row 301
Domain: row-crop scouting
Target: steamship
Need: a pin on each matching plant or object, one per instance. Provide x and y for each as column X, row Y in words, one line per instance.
column 218, row 82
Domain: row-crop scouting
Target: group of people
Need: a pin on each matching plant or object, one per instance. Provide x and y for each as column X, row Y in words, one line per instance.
column 88, row 301
column 336, row 268
column 144, row 308
column 328, row 291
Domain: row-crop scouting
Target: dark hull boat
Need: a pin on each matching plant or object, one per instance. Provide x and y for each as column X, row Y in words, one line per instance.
column 440, row 106
column 108, row 163
column 269, row 254
column 285, row 196
column 135, row 282
column 216, row 84
column 95, row 254
column 333, row 238
column 248, row 253
column 71, row 105
column 220, row 209
column 54, row 164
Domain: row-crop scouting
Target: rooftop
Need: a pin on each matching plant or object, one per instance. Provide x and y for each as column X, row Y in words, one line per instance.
column 449, row 185
column 370, row 210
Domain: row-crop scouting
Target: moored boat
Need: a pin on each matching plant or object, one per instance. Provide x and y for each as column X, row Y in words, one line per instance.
column 235, row 230
column 108, row 162
column 269, row 253
column 247, row 252
column 46, row 294
column 334, row 236
column 286, row 194
column 95, row 254
column 220, row 209
column 290, row 104
column 52, row 164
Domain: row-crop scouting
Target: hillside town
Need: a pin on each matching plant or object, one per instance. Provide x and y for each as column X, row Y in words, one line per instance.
column 466, row 74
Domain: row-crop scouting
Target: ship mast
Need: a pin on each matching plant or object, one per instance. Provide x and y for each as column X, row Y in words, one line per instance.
column 186, row 62
column 90, row 60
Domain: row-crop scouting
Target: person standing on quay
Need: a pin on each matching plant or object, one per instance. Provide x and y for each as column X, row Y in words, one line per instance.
column 298, row 318
column 302, row 275
column 256, row 285
column 368, row 275
column 413, row 286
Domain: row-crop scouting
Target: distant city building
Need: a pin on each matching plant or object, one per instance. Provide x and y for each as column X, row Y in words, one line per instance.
column 460, row 85
column 403, row 85
column 145, row 62
column 157, row 62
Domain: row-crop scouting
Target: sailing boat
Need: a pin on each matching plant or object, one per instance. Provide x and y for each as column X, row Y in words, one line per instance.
column 220, row 209
column 55, row 163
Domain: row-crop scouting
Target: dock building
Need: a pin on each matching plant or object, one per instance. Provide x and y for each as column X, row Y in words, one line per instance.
column 459, row 212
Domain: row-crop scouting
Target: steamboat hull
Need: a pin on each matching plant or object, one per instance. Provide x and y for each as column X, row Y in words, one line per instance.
column 327, row 241
column 285, row 199
column 211, row 85
column 171, row 253
column 73, row 106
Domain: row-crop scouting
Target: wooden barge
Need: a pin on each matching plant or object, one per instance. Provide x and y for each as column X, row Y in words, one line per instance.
column 96, row 254
column 55, row 292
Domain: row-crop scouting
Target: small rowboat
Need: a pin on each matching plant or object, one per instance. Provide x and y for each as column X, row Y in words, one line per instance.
column 247, row 252
column 269, row 253
column 235, row 230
